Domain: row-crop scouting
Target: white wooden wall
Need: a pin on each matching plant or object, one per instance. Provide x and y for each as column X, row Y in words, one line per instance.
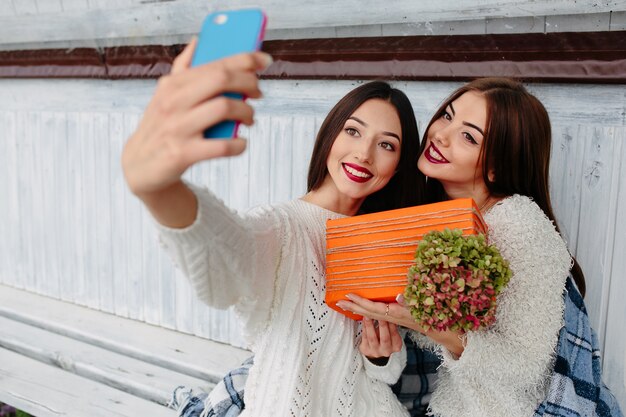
column 71, row 230
column 32, row 24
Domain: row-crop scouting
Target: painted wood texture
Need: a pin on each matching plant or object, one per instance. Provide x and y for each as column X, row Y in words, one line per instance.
column 73, row 231
column 26, row 22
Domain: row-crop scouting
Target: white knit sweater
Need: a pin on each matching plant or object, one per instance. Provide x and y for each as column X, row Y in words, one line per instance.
column 270, row 264
column 504, row 371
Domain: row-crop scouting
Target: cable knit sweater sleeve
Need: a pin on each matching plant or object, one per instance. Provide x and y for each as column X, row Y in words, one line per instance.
column 504, row 370
column 229, row 259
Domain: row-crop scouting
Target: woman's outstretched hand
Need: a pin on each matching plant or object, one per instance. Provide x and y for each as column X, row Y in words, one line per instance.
column 400, row 315
column 169, row 137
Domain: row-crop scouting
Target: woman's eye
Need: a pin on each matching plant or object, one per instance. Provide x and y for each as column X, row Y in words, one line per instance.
column 446, row 116
column 470, row 138
column 387, row 146
column 352, row 131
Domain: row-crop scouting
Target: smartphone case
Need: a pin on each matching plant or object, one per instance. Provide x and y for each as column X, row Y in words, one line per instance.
column 224, row 34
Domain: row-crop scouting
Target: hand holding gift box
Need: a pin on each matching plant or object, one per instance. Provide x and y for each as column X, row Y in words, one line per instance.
column 370, row 255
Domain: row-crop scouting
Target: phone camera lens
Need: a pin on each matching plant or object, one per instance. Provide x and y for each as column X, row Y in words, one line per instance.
column 220, row 19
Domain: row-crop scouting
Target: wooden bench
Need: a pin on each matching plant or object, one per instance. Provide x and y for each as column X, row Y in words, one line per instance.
column 61, row 359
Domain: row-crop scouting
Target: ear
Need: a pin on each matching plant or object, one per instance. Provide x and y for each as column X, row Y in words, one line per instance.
column 491, row 175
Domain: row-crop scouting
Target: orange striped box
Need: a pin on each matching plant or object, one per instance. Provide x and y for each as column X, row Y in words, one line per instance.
column 370, row 255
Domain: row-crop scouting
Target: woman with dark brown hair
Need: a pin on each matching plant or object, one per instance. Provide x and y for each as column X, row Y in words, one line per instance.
column 269, row 263
column 490, row 140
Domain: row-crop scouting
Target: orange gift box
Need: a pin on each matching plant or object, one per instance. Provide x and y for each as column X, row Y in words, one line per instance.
column 370, row 255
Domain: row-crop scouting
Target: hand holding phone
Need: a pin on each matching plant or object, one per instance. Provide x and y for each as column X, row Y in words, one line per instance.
column 224, row 34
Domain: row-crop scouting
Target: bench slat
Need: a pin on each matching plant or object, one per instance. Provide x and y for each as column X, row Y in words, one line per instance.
column 139, row 378
column 46, row 391
column 194, row 356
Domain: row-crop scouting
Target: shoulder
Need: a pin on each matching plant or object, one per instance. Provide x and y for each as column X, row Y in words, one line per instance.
column 518, row 223
column 518, row 213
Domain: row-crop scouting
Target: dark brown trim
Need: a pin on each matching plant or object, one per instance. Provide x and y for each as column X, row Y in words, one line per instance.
column 596, row 57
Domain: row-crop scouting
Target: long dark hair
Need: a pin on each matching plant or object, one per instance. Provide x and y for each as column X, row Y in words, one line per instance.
column 404, row 189
column 516, row 147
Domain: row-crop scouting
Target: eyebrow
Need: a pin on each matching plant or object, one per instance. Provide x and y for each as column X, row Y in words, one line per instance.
column 467, row 123
column 356, row 119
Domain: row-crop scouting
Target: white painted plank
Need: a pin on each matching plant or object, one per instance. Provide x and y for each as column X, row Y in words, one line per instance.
column 302, row 139
column 142, row 379
column 179, row 352
column 73, row 5
column 185, row 16
column 594, row 225
column 118, row 195
column 589, row 22
column 73, row 281
column 88, row 217
column 9, row 204
column 63, row 202
column 102, row 243
column 281, row 143
column 25, row 8
column 259, row 149
column 49, row 6
column 27, row 270
column 614, row 358
column 566, row 178
column 52, row 125
column 45, row 391
column 134, row 229
column 7, row 8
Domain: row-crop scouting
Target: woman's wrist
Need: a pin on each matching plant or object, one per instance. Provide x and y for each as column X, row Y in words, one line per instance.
column 175, row 206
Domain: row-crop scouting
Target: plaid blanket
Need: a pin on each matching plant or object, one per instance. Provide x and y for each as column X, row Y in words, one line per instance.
column 225, row 400
column 576, row 387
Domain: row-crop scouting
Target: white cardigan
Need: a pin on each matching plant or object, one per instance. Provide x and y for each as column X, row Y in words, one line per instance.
column 504, row 370
column 270, row 265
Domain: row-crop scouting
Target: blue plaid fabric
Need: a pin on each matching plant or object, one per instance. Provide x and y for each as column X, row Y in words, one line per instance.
column 576, row 387
column 225, row 400
column 416, row 383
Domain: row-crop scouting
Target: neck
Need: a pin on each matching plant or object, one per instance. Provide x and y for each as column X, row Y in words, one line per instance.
column 484, row 200
column 333, row 201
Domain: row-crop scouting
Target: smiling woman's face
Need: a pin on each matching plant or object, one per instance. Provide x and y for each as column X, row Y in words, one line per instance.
column 365, row 154
column 453, row 146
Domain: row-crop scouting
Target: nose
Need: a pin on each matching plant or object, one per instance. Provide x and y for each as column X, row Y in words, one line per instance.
column 364, row 153
column 440, row 136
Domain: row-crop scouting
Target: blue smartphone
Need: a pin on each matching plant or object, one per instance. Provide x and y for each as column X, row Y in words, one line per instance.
column 224, row 34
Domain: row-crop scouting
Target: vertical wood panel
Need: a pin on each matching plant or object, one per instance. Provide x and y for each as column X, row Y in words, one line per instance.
column 69, row 5
column 566, row 178
column 9, row 206
column 302, row 140
column 26, row 123
column 61, row 200
column 259, row 148
column 52, row 129
column 614, row 359
column 49, row 6
column 23, row 7
column 594, row 220
column 133, row 235
column 72, row 284
column 281, row 143
column 101, row 218
column 119, row 245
